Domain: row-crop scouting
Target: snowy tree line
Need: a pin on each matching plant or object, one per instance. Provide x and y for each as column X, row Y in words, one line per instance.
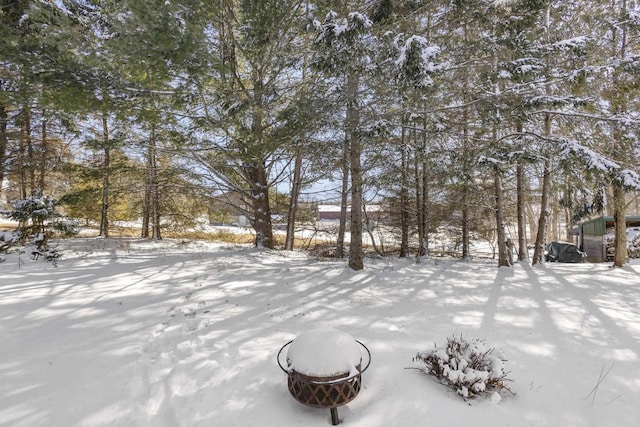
column 454, row 110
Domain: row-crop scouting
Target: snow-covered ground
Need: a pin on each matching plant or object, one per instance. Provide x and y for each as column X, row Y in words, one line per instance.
column 136, row 333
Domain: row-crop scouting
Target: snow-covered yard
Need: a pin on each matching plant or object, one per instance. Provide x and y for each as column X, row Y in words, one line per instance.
column 136, row 333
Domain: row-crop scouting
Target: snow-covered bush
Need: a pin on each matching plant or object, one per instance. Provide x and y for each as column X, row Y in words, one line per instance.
column 37, row 220
column 32, row 210
column 40, row 249
column 467, row 366
column 9, row 237
column 7, row 240
column 65, row 226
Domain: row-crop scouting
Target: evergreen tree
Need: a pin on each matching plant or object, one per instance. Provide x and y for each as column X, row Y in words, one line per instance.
column 237, row 106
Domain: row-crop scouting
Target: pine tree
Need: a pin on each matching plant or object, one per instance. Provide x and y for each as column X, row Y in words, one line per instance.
column 236, row 106
column 344, row 50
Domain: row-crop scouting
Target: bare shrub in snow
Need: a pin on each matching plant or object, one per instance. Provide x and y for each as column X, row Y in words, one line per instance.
column 467, row 366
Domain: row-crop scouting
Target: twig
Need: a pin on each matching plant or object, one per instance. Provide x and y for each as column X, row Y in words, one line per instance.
column 614, row 399
column 601, row 378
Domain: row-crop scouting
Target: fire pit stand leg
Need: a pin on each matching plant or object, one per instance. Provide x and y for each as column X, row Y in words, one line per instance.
column 334, row 417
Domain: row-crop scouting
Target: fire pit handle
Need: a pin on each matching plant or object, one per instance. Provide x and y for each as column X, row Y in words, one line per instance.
column 286, row 371
column 368, row 356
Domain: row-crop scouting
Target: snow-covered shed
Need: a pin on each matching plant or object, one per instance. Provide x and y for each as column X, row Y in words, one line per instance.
column 596, row 237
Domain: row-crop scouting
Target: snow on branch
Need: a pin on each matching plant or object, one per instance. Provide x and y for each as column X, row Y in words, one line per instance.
column 416, row 60
column 501, row 160
column 332, row 27
column 493, row 161
column 358, row 21
column 556, row 101
column 592, row 160
column 58, row 5
column 634, row 16
column 573, row 43
column 342, row 43
column 596, row 162
column 628, row 179
column 376, row 128
column 631, row 63
column 525, row 65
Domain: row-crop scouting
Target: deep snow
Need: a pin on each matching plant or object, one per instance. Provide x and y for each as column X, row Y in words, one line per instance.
column 136, row 333
column 324, row 352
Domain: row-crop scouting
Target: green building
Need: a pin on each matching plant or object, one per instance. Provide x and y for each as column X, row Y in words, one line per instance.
column 593, row 238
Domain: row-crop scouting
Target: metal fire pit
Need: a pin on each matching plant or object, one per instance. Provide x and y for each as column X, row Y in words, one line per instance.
column 325, row 392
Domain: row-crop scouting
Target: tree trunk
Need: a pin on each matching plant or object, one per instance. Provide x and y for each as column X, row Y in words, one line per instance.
column 523, row 254
column 404, row 195
column 369, row 230
column 621, row 257
column 293, row 203
column 227, row 49
column 503, row 259
column 541, row 234
column 257, row 170
column 31, row 158
column 155, row 192
column 43, row 155
column 543, row 219
column 466, row 239
column 532, row 220
column 417, row 165
column 466, row 152
column 146, row 202
column 106, row 164
column 621, row 150
column 261, row 209
column 4, row 141
column 22, row 160
column 344, row 198
column 555, row 219
column 151, row 198
column 296, row 185
column 424, row 246
column 356, row 252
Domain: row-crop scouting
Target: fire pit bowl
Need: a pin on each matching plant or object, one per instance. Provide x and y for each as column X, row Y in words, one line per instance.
column 324, row 368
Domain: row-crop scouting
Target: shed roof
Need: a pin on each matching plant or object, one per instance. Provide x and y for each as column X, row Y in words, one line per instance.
column 598, row 226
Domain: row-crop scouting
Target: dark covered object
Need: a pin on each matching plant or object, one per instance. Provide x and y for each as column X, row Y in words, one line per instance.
column 564, row 252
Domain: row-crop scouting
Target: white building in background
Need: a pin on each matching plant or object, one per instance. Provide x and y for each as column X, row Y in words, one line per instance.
column 332, row 212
